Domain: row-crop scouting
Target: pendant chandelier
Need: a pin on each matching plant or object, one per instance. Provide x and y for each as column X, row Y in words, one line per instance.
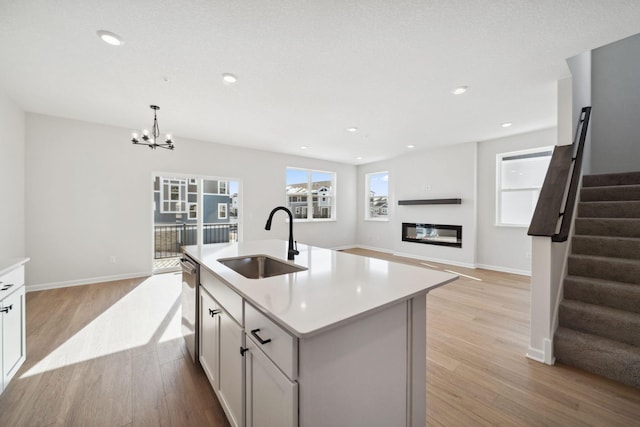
column 152, row 140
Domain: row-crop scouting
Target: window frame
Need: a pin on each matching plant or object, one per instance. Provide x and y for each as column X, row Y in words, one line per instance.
column 367, row 198
column 225, row 210
column 308, row 198
column 169, row 184
column 531, row 152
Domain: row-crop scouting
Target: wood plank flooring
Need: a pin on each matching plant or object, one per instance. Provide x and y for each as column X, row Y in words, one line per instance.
column 111, row 354
column 477, row 372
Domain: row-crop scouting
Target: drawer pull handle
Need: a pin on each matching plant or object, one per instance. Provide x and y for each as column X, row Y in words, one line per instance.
column 243, row 350
column 8, row 309
column 260, row 340
column 213, row 312
column 5, row 287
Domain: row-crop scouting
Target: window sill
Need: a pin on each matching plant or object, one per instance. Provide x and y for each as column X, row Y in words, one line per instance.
column 377, row 219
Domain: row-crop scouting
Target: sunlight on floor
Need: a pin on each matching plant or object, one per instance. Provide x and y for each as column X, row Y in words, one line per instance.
column 150, row 312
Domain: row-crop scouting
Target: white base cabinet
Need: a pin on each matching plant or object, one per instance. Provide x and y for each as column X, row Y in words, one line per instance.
column 221, row 339
column 12, row 321
column 271, row 398
column 370, row 371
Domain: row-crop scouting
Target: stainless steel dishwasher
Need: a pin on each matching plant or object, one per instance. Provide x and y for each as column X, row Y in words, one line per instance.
column 190, row 303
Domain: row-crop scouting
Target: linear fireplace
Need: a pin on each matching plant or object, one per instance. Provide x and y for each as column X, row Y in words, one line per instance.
column 432, row 234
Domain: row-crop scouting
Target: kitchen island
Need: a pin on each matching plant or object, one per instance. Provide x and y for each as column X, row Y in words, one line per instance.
column 341, row 342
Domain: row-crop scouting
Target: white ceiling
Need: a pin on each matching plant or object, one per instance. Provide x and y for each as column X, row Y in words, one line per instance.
column 307, row 69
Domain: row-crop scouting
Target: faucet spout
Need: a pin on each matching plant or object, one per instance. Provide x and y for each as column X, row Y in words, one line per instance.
column 292, row 251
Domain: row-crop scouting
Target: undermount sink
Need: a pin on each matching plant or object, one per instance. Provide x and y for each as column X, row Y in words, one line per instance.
column 260, row 266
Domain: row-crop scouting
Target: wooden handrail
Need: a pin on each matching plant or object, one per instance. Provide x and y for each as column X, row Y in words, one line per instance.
column 554, row 210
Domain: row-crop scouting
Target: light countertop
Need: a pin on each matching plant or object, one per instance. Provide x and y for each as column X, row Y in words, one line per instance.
column 8, row 264
column 337, row 287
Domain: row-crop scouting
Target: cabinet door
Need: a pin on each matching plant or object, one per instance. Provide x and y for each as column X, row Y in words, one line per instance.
column 231, row 369
column 210, row 338
column 13, row 334
column 271, row 398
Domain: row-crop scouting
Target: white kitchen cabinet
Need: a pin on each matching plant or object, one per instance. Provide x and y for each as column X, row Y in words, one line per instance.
column 231, row 369
column 12, row 323
column 221, row 341
column 271, row 397
column 210, row 338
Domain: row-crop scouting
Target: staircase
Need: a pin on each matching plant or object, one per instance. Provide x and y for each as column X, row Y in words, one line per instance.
column 599, row 318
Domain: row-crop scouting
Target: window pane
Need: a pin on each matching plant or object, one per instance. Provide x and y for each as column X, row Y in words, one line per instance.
column 378, row 195
column 297, row 185
column 524, row 173
column 517, row 206
column 321, row 188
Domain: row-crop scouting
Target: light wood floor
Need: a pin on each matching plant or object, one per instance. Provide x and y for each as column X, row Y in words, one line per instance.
column 111, row 354
column 477, row 372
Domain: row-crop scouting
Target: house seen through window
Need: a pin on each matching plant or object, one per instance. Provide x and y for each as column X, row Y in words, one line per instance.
column 310, row 194
column 519, row 177
column 377, row 196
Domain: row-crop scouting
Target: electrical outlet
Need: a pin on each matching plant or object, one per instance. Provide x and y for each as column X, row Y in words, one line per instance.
column 427, row 187
column 112, row 259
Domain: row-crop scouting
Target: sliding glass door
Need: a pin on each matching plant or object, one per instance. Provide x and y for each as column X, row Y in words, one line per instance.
column 190, row 210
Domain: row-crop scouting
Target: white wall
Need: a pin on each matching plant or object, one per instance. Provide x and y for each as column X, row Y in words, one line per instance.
column 12, row 176
column 449, row 172
column 503, row 248
column 88, row 197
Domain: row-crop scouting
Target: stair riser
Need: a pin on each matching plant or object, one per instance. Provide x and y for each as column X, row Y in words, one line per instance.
column 617, row 270
column 622, row 328
column 609, row 209
column 623, row 192
column 608, row 247
column 620, row 296
column 622, row 365
column 629, row 178
column 608, row 227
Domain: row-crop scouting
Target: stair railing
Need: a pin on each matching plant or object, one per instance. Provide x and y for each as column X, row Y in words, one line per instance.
column 554, row 210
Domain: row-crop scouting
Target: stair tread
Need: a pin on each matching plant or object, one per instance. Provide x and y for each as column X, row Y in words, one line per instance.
column 600, row 341
column 609, row 358
column 606, row 258
column 581, row 305
column 610, row 238
column 601, row 281
column 600, row 180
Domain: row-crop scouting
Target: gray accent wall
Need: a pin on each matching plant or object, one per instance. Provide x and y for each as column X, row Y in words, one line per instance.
column 615, row 90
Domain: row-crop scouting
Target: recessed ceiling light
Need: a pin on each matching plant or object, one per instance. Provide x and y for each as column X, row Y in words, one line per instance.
column 359, row 158
column 352, row 129
column 411, row 146
column 459, row 90
column 110, row 38
column 506, row 124
column 303, row 147
column 229, row 78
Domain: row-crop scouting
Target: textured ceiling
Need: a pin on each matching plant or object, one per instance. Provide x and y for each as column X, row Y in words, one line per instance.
column 307, row 69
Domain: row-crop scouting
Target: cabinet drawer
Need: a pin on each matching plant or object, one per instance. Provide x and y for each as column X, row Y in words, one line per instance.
column 283, row 347
column 11, row 281
column 226, row 297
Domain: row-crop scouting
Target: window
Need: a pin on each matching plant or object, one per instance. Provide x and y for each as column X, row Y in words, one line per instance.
column 222, row 187
column 519, row 177
column 302, row 183
column 222, row 211
column 193, row 211
column 173, row 195
column 377, row 196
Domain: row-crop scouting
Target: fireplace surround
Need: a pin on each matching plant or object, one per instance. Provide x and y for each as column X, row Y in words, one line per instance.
column 432, row 234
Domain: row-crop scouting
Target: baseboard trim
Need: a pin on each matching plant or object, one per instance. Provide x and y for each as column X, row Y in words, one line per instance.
column 505, row 269
column 87, row 281
column 544, row 355
column 438, row 260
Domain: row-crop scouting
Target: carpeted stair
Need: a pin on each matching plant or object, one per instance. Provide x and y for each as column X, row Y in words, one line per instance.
column 599, row 317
